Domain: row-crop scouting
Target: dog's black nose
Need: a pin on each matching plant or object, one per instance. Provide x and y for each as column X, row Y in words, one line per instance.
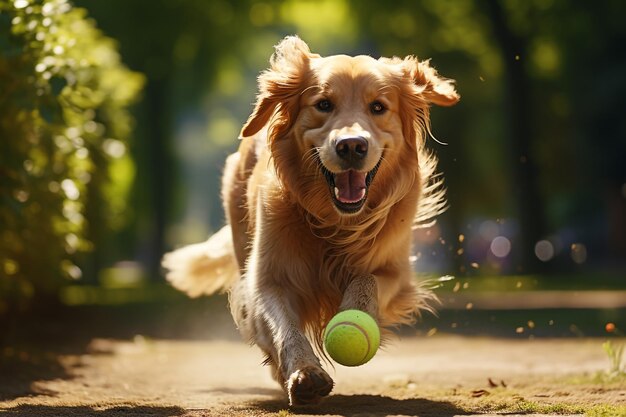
column 351, row 148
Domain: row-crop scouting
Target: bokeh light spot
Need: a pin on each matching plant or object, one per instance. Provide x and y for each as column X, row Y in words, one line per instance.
column 544, row 250
column 579, row 253
column 114, row 148
column 500, row 246
column 70, row 189
column 20, row 4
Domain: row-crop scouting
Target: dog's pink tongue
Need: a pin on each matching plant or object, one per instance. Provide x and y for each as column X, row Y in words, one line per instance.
column 350, row 186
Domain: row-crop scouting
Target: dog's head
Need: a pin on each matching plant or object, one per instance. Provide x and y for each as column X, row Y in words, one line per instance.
column 344, row 131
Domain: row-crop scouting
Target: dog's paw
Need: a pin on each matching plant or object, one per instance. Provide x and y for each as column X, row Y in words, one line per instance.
column 308, row 386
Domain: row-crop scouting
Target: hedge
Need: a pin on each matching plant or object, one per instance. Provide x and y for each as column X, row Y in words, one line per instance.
column 64, row 130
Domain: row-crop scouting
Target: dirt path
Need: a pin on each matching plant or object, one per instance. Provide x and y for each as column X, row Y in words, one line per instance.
column 428, row 376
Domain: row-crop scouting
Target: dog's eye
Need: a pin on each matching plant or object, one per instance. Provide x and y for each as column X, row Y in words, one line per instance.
column 324, row 106
column 377, row 107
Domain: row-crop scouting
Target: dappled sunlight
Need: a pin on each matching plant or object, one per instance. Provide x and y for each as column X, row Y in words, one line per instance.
column 320, row 21
column 115, row 121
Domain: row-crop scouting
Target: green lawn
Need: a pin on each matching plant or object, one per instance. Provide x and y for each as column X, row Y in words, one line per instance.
column 565, row 282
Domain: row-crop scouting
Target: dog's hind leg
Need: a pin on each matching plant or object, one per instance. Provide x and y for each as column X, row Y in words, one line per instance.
column 234, row 199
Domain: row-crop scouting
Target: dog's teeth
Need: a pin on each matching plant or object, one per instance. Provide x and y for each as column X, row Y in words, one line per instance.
column 336, row 192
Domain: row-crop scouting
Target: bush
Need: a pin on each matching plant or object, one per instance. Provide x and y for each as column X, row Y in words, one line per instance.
column 64, row 126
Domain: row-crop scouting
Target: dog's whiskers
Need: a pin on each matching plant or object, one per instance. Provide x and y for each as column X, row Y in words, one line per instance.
column 309, row 159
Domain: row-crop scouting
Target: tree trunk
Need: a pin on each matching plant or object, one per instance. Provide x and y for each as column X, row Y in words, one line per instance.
column 528, row 199
column 157, row 164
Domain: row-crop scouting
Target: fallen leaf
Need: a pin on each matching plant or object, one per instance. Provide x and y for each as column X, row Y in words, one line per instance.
column 479, row 393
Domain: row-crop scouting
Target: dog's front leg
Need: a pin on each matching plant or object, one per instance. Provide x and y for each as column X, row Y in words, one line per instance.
column 277, row 327
column 305, row 380
column 361, row 294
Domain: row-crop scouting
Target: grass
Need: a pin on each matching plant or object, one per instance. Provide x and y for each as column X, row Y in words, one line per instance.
column 507, row 401
column 533, row 407
column 573, row 282
column 578, row 395
column 615, row 358
column 545, row 322
column 521, row 405
column 606, row 411
column 123, row 287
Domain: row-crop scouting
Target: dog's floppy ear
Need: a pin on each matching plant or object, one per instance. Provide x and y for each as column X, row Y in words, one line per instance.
column 434, row 88
column 280, row 84
column 420, row 85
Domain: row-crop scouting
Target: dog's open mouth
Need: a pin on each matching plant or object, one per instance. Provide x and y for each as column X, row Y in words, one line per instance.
column 348, row 189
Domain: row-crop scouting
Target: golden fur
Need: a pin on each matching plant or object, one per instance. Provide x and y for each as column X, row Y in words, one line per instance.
column 302, row 255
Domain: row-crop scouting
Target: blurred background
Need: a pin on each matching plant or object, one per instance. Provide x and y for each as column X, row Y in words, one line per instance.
column 116, row 117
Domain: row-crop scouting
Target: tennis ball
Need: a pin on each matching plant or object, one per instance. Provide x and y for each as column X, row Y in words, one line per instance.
column 352, row 337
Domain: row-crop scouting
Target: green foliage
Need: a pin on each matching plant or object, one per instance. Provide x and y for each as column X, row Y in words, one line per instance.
column 614, row 354
column 64, row 126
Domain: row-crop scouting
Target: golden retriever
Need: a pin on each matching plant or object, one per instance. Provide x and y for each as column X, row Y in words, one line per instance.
column 330, row 177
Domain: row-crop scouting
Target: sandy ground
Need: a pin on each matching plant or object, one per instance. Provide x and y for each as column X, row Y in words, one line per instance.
column 442, row 375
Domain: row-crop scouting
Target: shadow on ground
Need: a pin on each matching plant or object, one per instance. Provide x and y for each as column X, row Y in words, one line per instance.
column 32, row 345
column 370, row 406
column 246, row 391
column 139, row 411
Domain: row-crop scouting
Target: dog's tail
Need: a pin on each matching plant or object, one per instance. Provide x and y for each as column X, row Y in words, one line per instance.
column 204, row 268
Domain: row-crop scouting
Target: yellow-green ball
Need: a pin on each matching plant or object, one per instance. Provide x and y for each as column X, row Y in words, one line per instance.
column 352, row 338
